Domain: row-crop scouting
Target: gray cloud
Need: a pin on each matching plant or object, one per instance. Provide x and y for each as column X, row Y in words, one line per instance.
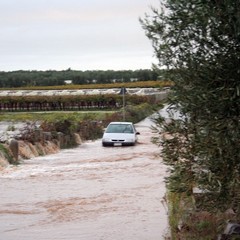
column 57, row 34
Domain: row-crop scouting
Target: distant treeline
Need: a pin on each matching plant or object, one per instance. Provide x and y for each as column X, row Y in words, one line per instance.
column 54, row 78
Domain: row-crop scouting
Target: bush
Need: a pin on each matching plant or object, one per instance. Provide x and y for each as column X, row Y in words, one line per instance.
column 6, row 154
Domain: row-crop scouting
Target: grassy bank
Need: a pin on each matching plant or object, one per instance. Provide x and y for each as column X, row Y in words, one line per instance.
column 51, row 116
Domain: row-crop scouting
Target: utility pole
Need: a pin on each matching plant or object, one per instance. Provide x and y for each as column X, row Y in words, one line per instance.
column 122, row 92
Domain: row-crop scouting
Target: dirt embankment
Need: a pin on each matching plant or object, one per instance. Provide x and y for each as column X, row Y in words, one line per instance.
column 38, row 141
column 14, row 150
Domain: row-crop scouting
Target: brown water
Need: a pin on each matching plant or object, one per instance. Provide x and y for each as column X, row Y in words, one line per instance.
column 89, row 192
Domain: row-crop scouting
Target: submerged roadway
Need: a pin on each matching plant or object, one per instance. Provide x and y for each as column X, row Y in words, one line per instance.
column 87, row 193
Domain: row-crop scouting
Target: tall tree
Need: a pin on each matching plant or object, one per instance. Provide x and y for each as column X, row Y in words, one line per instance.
column 198, row 41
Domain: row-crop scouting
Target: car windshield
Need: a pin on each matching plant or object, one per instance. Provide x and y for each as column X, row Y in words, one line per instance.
column 119, row 128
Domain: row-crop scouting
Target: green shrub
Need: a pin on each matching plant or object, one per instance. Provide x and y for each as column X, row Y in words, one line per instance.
column 6, row 153
column 138, row 112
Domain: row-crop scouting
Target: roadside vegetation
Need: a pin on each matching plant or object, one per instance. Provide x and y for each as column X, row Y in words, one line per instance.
column 133, row 113
column 64, row 128
column 89, row 124
column 69, row 102
column 199, row 42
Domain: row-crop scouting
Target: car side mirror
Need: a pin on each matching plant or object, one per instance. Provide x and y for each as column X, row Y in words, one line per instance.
column 137, row 133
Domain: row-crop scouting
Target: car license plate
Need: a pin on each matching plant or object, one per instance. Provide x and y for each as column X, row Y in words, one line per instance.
column 117, row 144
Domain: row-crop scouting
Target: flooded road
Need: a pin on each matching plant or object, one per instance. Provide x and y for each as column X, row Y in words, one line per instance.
column 87, row 193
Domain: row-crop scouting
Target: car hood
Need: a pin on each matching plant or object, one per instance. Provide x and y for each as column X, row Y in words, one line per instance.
column 119, row 135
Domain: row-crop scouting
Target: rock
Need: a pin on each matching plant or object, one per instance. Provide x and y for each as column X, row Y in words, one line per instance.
column 38, row 135
column 60, row 138
column 3, row 161
column 47, row 136
column 67, row 141
column 51, row 147
column 77, row 138
column 25, row 150
column 14, row 148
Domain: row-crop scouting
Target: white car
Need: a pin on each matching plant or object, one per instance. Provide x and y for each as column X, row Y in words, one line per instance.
column 120, row 134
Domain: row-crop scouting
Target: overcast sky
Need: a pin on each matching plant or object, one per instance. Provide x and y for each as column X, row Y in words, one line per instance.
column 76, row 34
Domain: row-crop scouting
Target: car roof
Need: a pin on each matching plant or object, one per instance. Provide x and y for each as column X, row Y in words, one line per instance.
column 120, row 123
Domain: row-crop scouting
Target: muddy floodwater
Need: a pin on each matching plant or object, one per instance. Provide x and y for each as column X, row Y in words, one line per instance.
column 87, row 193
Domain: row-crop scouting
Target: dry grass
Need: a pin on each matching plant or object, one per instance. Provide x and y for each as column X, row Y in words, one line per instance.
column 189, row 223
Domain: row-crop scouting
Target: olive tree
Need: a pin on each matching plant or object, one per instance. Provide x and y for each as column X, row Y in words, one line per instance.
column 198, row 41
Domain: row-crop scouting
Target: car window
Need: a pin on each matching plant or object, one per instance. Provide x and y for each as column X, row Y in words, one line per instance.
column 119, row 128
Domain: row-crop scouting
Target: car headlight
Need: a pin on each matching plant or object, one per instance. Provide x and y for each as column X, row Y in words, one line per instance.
column 106, row 139
column 130, row 140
